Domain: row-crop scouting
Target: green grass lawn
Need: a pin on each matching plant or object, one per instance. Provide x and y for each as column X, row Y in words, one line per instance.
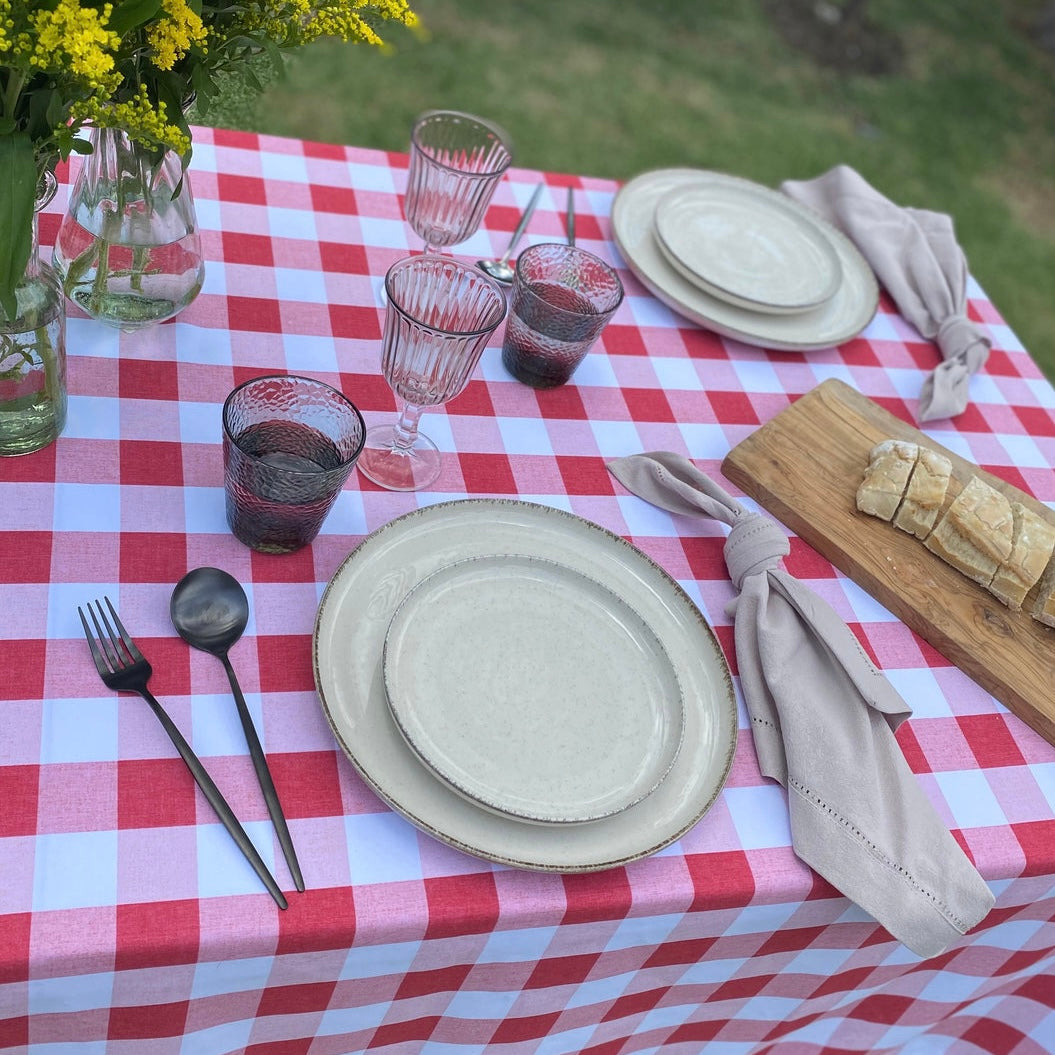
column 966, row 125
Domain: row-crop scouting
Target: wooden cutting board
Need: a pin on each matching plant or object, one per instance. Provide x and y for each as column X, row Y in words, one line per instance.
column 804, row 467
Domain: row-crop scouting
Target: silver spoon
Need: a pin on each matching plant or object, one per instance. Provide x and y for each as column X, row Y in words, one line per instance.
column 500, row 268
column 210, row 611
column 571, row 216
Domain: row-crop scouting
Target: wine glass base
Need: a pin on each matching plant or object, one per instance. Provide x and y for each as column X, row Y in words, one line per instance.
column 398, row 468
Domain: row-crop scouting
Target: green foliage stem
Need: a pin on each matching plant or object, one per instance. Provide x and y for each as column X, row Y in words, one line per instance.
column 18, row 181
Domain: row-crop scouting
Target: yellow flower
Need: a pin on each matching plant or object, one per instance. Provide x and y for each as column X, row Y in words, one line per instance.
column 291, row 23
column 138, row 117
column 7, row 23
column 173, row 37
column 76, row 36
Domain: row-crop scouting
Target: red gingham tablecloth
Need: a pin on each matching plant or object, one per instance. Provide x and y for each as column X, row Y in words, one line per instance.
column 129, row 922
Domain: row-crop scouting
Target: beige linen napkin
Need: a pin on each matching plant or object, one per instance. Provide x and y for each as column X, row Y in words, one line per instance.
column 915, row 255
column 823, row 719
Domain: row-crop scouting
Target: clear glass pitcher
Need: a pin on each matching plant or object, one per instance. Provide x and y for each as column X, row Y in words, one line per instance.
column 128, row 250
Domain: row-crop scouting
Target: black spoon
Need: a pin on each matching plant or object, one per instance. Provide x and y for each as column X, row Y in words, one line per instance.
column 210, row 610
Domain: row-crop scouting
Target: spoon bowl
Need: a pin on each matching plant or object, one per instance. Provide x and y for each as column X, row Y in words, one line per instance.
column 210, row 611
column 501, row 269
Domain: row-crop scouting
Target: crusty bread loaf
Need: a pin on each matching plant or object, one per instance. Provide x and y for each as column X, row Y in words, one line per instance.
column 1034, row 541
column 976, row 533
column 925, row 493
column 1001, row 544
column 1044, row 604
column 890, row 466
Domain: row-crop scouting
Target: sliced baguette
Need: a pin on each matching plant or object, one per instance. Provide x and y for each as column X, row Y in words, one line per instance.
column 890, row 466
column 976, row 533
column 1044, row 605
column 925, row 493
column 1034, row 541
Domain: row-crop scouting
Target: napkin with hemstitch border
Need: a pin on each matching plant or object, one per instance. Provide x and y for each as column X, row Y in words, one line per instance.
column 823, row 720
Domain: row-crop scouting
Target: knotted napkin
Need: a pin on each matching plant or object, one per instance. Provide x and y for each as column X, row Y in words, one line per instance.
column 823, row 719
column 915, row 255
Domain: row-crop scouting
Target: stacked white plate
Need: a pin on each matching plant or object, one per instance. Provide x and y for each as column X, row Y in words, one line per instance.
column 524, row 685
column 532, row 689
column 743, row 260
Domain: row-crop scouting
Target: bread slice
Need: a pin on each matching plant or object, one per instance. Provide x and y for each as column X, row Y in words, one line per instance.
column 1044, row 604
column 976, row 533
column 1034, row 541
column 890, row 466
column 925, row 493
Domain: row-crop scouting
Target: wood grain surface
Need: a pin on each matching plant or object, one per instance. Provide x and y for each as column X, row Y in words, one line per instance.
column 804, row 467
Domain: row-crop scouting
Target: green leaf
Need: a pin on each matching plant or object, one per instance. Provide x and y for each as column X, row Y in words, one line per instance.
column 275, row 55
column 57, row 109
column 171, row 89
column 129, row 14
column 42, row 112
column 18, row 188
column 204, row 85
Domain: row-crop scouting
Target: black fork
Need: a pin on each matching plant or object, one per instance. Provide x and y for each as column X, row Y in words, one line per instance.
column 124, row 668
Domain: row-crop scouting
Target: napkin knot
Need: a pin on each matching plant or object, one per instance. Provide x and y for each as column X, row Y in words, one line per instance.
column 755, row 544
column 958, row 337
column 823, row 721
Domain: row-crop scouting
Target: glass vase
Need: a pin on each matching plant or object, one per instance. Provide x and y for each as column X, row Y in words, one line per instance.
column 33, row 352
column 128, row 249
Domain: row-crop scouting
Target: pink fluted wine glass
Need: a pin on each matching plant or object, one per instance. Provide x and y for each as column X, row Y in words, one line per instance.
column 456, row 162
column 440, row 314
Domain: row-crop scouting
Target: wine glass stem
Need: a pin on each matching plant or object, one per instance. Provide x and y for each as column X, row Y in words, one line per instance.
column 407, row 427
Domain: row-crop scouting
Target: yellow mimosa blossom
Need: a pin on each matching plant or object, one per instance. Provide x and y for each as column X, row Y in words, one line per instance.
column 173, row 36
column 295, row 22
column 138, row 117
column 77, row 36
column 7, row 23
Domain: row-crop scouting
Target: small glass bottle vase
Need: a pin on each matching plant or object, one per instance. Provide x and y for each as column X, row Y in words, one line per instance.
column 128, row 250
column 33, row 352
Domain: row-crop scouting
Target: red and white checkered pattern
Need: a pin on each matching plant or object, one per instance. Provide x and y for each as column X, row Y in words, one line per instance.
column 129, row 922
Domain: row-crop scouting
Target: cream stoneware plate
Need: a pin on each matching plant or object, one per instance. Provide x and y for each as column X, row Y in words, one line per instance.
column 747, row 245
column 844, row 316
column 353, row 619
column 532, row 689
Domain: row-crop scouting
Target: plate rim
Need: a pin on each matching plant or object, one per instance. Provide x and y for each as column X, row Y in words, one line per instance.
column 765, row 203
column 756, row 329
column 684, row 816
column 674, row 701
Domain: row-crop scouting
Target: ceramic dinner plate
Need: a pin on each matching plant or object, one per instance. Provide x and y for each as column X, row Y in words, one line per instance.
column 747, row 246
column 350, row 628
column 843, row 316
column 532, row 689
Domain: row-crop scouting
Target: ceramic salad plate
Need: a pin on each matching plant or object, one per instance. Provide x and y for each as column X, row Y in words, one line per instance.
column 532, row 689
column 747, row 246
column 843, row 316
column 353, row 621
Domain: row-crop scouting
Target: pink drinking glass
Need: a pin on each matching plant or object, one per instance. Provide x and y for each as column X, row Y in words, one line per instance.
column 440, row 314
column 562, row 298
column 456, row 162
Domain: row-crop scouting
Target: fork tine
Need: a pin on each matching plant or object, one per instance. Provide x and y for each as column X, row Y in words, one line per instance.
column 107, row 638
column 97, row 656
column 129, row 644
